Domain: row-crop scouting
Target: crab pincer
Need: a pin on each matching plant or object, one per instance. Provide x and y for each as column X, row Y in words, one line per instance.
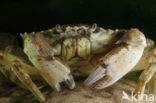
column 41, row 54
column 119, row 61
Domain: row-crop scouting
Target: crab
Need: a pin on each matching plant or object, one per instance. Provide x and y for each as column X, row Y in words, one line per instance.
column 66, row 51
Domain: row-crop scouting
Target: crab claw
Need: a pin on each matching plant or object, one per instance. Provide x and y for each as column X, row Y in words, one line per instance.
column 119, row 61
column 56, row 76
column 95, row 76
column 98, row 79
column 51, row 68
column 70, row 82
column 60, row 77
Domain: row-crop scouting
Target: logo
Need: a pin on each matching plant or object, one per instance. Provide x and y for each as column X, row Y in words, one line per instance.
column 141, row 97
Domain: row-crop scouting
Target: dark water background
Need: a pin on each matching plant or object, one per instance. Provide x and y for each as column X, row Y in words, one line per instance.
column 18, row 16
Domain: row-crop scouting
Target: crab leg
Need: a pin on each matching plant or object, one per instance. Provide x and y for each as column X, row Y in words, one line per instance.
column 41, row 54
column 147, row 75
column 118, row 61
column 26, row 80
column 144, row 78
column 152, row 85
column 13, row 68
column 10, row 75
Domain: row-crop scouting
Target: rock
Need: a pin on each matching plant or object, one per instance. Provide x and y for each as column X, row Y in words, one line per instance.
column 112, row 94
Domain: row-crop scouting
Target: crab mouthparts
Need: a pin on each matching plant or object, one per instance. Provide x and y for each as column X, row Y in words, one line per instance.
column 98, row 74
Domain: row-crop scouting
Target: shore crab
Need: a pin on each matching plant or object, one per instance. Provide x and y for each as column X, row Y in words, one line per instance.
column 63, row 52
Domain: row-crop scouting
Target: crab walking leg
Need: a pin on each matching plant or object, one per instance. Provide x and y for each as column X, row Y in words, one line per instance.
column 152, row 85
column 118, row 61
column 144, row 78
column 26, row 80
column 10, row 75
column 18, row 71
column 41, row 54
column 6, row 60
column 149, row 71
